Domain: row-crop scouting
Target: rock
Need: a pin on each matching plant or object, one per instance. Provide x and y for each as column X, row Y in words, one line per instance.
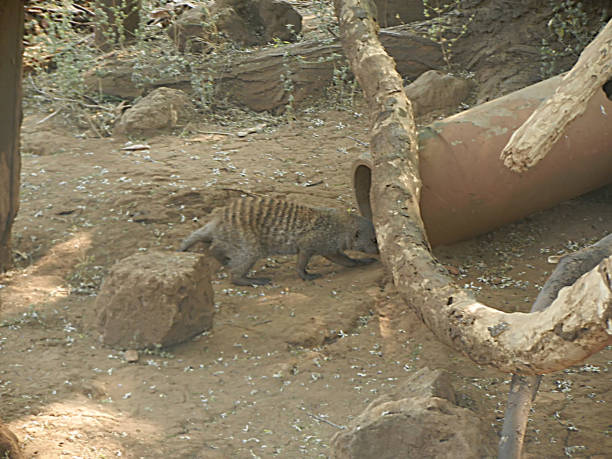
column 9, row 444
column 155, row 298
column 161, row 109
column 279, row 19
column 246, row 22
column 112, row 75
column 424, row 422
column 237, row 28
column 194, row 30
column 131, row 355
column 437, row 91
column 394, row 12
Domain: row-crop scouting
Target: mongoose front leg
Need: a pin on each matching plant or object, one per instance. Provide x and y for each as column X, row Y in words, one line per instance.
column 302, row 262
column 344, row 260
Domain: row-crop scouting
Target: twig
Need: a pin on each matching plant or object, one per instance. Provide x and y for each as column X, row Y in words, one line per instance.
column 93, row 127
column 66, row 99
column 360, row 142
column 314, row 183
column 48, row 117
column 241, row 192
column 215, row 133
column 319, row 418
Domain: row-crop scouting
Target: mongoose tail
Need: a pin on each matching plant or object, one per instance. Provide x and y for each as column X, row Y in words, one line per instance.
column 204, row 234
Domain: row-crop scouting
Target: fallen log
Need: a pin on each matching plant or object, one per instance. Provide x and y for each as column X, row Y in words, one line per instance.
column 540, row 133
column 575, row 326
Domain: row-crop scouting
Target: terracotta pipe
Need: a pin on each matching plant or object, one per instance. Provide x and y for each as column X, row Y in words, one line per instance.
column 466, row 188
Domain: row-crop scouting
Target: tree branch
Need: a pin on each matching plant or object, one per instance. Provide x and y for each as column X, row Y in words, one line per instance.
column 523, row 389
column 535, row 138
column 577, row 324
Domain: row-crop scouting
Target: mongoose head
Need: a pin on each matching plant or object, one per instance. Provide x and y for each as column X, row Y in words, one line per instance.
column 364, row 239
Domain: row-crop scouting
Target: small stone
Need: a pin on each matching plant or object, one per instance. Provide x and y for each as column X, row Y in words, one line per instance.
column 131, row 355
column 435, row 91
column 162, row 109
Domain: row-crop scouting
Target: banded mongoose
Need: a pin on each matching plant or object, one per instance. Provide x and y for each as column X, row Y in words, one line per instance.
column 254, row 227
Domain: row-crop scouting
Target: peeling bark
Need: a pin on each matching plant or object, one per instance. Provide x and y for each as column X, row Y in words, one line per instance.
column 576, row 325
column 535, row 138
column 523, row 389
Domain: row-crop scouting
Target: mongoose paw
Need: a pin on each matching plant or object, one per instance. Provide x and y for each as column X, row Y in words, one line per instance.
column 251, row 281
column 309, row 276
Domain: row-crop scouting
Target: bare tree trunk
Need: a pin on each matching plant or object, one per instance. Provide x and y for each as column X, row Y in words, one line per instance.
column 574, row 327
column 11, row 50
column 116, row 22
column 535, row 138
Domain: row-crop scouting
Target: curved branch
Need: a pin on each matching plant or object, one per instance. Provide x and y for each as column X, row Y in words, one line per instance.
column 523, row 389
column 577, row 324
column 535, row 138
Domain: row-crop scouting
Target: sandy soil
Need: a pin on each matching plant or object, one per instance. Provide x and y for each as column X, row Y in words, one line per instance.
column 285, row 365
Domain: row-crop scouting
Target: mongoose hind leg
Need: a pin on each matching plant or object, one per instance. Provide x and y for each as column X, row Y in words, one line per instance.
column 302, row 262
column 240, row 265
column 219, row 253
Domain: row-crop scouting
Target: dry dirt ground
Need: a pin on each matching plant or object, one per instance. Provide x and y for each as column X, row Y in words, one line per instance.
column 285, row 366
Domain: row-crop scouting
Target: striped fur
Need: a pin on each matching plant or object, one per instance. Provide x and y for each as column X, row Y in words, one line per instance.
column 254, row 227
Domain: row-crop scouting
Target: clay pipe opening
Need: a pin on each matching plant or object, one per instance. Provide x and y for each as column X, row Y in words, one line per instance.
column 362, row 181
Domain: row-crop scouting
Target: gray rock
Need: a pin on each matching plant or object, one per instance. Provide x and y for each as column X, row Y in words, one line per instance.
column 435, row 91
column 193, row 30
column 420, row 420
column 155, row 298
column 246, row 22
column 112, row 75
column 279, row 19
column 394, row 12
column 162, row 109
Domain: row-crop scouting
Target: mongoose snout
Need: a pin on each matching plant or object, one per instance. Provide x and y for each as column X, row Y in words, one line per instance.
column 254, row 227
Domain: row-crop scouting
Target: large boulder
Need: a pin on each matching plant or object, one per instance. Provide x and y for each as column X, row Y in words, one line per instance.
column 162, row 109
column 435, row 91
column 246, row 22
column 155, row 298
column 9, row 445
column 420, row 420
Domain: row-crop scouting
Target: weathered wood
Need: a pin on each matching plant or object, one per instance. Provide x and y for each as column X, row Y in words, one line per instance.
column 523, row 389
column 535, row 138
column 11, row 50
column 574, row 327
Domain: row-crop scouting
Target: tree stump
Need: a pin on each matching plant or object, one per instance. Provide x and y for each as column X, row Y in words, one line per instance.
column 11, row 50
